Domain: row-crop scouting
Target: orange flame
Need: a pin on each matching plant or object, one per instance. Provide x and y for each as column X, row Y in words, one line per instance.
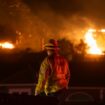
column 91, row 42
column 103, row 30
column 7, row 45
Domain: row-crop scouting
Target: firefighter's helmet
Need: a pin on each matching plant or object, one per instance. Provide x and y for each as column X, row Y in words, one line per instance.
column 52, row 45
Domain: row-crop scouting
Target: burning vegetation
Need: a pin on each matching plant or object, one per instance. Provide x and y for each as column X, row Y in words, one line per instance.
column 91, row 42
column 7, row 45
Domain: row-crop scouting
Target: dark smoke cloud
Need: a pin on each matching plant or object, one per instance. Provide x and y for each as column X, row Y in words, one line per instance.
column 70, row 6
column 33, row 21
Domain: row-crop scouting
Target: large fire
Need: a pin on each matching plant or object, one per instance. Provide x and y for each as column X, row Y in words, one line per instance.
column 7, row 45
column 91, row 42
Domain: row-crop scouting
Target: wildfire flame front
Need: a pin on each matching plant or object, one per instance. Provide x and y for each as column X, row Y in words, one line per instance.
column 91, row 42
column 7, row 45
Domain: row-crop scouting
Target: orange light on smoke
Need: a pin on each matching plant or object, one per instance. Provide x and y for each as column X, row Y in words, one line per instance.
column 91, row 42
column 7, row 45
column 102, row 30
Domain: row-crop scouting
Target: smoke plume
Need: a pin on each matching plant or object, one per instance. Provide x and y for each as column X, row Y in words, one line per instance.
column 37, row 22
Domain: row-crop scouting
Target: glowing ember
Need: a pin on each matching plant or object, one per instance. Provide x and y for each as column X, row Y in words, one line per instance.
column 91, row 42
column 7, row 45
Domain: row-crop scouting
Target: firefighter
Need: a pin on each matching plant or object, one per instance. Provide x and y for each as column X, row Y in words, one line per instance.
column 54, row 73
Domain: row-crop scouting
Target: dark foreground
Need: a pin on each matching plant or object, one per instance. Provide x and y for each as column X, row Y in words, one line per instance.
column 15, row 99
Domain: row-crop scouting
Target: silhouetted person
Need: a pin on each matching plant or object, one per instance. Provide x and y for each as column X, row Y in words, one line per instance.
column 54, row 74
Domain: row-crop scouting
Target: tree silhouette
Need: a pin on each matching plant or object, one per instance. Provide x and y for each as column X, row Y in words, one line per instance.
column 66, row 48
column 81, row 47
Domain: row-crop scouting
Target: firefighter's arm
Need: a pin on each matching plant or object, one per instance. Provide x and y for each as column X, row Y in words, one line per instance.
column 42, row 78
column 40, row 84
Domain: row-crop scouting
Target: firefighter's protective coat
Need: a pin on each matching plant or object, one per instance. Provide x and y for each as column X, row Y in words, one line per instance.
column 54, row 75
